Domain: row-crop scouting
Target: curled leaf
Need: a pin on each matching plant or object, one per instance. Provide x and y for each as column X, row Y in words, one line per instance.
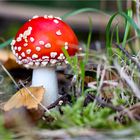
column 26, row 99
column 8, row 59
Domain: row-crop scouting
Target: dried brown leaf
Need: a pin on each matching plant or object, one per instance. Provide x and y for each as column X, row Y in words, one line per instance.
column 3, row 56
column 23, row 98
column 11, row 62
column 8, row 59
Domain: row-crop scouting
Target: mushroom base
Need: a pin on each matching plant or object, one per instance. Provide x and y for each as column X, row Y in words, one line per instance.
column 47, row 78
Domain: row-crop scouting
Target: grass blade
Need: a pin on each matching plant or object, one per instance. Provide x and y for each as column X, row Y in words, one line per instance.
column 6, row 43
column 82, row 10
column 108, row 28
column 117, row 35
column 127, row 29
column 89, row 39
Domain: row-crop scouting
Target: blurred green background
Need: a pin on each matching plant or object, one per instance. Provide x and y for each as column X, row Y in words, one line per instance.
column 17, row 16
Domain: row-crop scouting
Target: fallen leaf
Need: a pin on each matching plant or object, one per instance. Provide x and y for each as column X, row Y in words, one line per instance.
column 22, row 117
column 3, row 56
column 23, row 98
column 8, row 59
column 16, row 118
column 11, row 62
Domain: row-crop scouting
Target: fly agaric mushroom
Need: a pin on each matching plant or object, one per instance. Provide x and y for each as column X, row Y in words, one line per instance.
column 38, row 44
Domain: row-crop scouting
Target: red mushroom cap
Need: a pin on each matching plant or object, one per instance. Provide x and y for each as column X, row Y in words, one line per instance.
column 39, row 42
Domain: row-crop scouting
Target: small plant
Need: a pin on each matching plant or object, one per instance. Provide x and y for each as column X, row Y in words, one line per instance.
column 79, row 115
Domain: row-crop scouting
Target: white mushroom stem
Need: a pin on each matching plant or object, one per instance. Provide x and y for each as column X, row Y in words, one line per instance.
column 46, row 77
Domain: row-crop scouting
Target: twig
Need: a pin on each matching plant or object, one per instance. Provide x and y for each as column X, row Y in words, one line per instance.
column 34, row 97
column 109, row 82
column 66, row 134
column 57, row 102
column 1, row 79
column 128, row 80
column 100, row 101
column 128, row 55
column 131, row 39
column 102, row 73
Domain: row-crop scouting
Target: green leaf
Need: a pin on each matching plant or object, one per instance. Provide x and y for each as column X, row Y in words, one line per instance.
column 67, row 55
